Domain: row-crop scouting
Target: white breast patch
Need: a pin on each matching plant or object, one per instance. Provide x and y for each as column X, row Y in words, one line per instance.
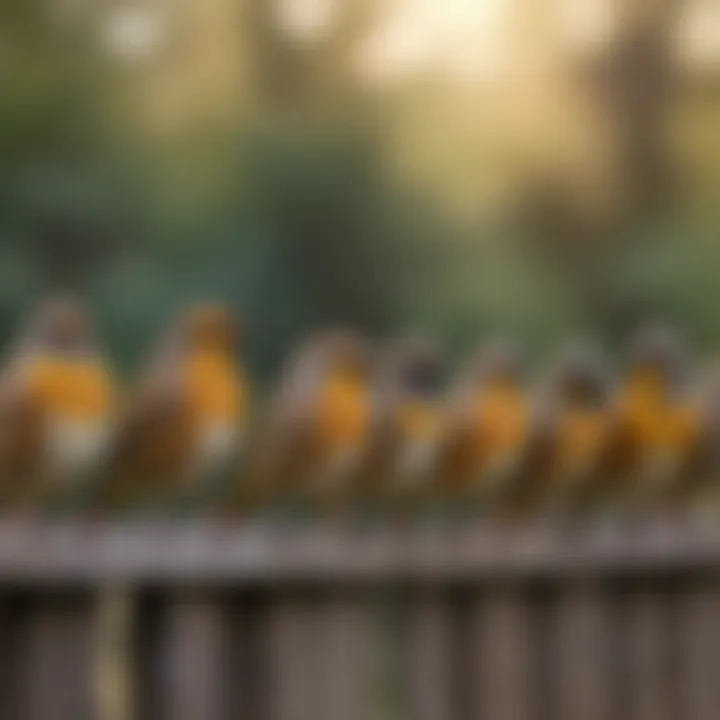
column 217, row 444
column 414, row 464
column 75, row 447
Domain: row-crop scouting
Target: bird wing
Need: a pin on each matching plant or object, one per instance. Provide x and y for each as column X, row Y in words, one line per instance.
column 20, row 427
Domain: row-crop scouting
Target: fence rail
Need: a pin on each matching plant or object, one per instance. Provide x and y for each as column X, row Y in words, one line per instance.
column 330, row 622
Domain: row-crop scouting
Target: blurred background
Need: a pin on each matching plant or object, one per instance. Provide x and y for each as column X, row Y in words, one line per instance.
column 464, row 167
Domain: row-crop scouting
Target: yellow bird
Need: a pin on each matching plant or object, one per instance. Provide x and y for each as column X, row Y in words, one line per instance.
column 656, row 421
column 57, row 408
column 185, row 423
column 571, row 437
column 489, row 420
column 408, row 418
column 311, row 442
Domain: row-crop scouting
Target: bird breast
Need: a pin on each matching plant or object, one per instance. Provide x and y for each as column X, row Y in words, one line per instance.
column 75, row 446
column 217, row 443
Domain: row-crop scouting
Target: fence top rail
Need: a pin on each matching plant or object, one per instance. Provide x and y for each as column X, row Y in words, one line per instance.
column 260, row 553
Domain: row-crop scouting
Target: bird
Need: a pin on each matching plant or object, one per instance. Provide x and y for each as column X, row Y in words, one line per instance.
column 572, row 430
column 408, row 414
column 310, row 443
column 182, row 428
column 58, row 409
column 486, row 434
column 656, row 419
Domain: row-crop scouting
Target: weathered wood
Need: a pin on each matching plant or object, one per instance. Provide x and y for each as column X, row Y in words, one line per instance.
column 584, row 628
column 55, row 678
column 429, row 660
column 346, row 642
column 504, row 689
column 699, row 651
column 648, row 654
column 115, row 653
column 192, row 657
column 294, row 682
column 259, row 554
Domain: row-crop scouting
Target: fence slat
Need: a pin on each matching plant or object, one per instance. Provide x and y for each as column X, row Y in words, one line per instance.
column 114, row 636
column 192, row 657
column 429, row 656
column 699, row 624
column 293, row 659
column 347, row 636
column 56, row 676
column 648, row 655
column 503, row 655
column 583, row 624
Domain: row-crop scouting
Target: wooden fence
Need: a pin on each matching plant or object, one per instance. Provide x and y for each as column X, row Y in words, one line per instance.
column 202, row 622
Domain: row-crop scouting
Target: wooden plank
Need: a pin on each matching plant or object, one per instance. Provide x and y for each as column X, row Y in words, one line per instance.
column 346, row 639
column 429, row 659
column 115, row 652
column 584, row 630
column 699, row 647
column 503, row 658
column 648, row 655
column 293, row 681
column 56, row 678
column 192, row 657
column 9, row 680
column 248, row 657
column 254, row 554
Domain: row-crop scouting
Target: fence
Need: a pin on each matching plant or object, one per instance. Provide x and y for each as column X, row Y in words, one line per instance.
column 202, row 622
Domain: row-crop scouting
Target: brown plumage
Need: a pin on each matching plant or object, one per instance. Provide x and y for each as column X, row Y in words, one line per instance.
column 407, row 423
column 186, row 419
column 571, row 436
column 489, row 417
column 656, row 422
column 57, row 407
column 311, row 441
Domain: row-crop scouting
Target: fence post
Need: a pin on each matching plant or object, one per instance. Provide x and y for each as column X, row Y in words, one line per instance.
column 114, row 631
column 503, row 654
column 429, row 659
column 192, row 656
column 56, row 676
column 584, row 627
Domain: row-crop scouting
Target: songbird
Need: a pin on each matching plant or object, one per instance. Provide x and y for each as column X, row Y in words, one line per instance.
column 57, row 409
column 571, row 436
column 184, row 424
column 310, row 444
column 489, row 417
column 656, row 420
column 407, row 422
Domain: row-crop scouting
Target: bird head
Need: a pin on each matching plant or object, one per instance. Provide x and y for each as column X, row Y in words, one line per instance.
column 658, row 359
column 416, row 368
column 580, row 379
column 498, row 366
column 208, row 328
column 62, row 327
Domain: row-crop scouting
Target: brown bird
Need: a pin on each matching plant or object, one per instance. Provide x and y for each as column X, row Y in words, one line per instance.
column 485, row 440
column 57, row 408
column 311, row 442
column 407, row 423
column 656, row 421
column 571, row 436
column 185, row 422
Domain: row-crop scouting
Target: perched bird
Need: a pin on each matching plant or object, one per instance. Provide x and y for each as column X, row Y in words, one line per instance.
column 571, row 435
column 185, row 422
column 311, row 442
column 655, row 421
column 489, row 417
column 57, row 408
column 408, row 413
